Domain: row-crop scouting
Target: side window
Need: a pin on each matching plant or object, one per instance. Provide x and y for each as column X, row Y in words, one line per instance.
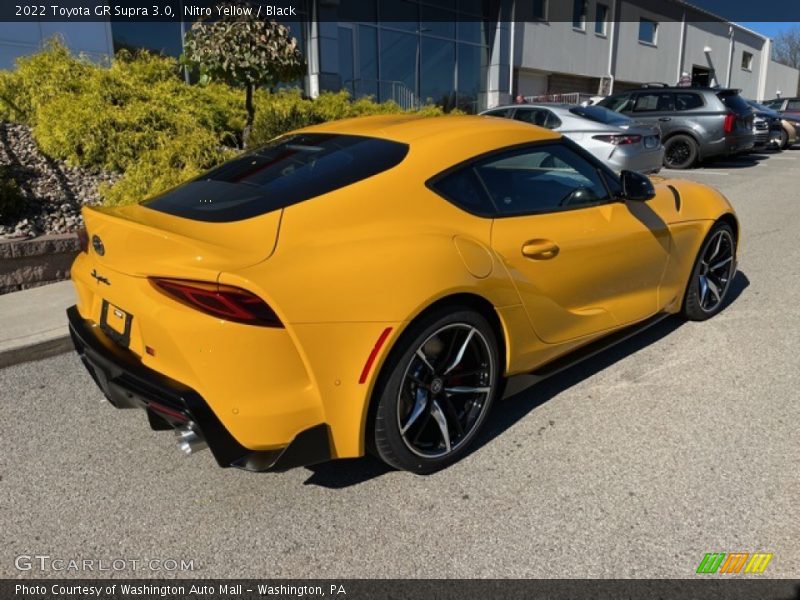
column 793, row 105
column 552, row 121
column 500, row 112
column 619, row 103
column 541, row 179
column 688, row 101
column 537, row 116
column 654, row 102
column 464, row 189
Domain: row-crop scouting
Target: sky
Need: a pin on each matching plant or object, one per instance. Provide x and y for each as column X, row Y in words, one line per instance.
column 768, row 29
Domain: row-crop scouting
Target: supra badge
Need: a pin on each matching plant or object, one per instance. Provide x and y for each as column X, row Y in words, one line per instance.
column 99, row 278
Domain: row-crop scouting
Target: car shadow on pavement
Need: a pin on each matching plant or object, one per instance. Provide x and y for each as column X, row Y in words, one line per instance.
column 339, row 474
column 743, row 161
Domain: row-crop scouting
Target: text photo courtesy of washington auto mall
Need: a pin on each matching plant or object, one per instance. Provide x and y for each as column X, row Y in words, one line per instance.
column 396, row 299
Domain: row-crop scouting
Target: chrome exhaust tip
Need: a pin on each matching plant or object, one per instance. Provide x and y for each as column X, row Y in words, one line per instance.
column 189, row 441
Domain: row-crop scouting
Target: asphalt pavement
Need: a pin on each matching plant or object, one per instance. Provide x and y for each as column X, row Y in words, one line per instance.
column 680, row 442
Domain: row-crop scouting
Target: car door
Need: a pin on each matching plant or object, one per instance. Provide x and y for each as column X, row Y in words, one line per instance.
column 583, row 262
column 656, row 108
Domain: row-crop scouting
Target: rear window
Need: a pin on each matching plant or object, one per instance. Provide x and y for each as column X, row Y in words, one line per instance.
column 735, row 102
column 285, row 172
column 600, row 114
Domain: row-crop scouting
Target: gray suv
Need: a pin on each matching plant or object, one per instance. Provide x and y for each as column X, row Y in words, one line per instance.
column 696, row 123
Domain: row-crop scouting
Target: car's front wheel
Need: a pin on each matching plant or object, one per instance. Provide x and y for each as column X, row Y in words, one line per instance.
column 784, row 141
column 436, row 390
column 712, row 274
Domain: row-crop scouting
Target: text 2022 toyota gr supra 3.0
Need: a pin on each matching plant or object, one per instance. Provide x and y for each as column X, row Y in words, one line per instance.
column 368, row 285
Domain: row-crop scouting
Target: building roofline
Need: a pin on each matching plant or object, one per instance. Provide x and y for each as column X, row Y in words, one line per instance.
column 723, row 19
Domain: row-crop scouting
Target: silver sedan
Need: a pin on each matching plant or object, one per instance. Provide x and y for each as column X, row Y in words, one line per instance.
column 619, row 141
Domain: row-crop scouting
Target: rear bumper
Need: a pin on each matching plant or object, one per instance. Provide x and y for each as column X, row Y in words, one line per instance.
column 127, row 383
column 637, row 159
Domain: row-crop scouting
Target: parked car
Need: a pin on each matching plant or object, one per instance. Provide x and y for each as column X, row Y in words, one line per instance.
column 367, row 285
column 770, row 129
column 617, row 140
column 696, row 123
column 788, row 109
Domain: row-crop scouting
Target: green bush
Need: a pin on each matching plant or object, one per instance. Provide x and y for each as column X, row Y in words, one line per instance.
column 140, row 118
column 47, row 75
column 12, row 201
column 287, row 110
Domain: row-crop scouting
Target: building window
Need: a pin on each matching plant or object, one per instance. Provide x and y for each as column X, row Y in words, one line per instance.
column 648, row 31
column 747, row 61
column 539, row 10
column 601, row 19
column 579, row 14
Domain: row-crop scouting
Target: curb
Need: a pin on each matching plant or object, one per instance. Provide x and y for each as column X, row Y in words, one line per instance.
column 33, row 323
column 58, row 344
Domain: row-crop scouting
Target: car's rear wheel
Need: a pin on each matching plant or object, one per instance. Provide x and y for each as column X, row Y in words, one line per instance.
column 712, row 274
column 680, row 152
column 436, row 390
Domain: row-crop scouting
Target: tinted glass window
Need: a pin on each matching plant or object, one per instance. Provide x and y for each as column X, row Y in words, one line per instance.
column 464, row 189
column 288, row 171
column 600, row 114
column 793, row 105
column 774, row 104
column 539, row 10
column 688, row 101
column 546, row 178
column 647, row 31
column 654, row 102
column 620, row 103
column 538, row 116
column 735, row 102
column 500, row 112
column 601, row 15
column 579, row 14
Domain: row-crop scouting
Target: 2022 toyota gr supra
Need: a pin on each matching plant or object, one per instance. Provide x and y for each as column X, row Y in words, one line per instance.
column 368, row 285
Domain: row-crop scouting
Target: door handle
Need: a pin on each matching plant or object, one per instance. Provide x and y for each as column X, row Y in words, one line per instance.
column 540, row 249
column 665, row 119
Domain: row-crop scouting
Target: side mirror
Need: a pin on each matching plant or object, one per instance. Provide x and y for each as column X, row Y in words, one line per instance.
column 636, row 187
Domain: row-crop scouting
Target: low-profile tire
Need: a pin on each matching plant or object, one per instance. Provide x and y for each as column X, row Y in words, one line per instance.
column 713, row 271
column 680, row 152
column 436, row 390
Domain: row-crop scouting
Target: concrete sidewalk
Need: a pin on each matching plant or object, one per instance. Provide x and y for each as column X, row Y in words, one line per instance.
column 33, row 323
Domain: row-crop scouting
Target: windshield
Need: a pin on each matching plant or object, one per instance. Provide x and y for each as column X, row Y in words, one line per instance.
column 290, row 170
column 600, row 114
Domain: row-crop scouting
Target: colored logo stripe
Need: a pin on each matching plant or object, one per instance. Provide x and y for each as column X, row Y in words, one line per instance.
column 717, row 561
column 758, row 563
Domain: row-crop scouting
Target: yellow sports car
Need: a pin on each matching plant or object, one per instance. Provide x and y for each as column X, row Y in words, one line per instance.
column 370, row 284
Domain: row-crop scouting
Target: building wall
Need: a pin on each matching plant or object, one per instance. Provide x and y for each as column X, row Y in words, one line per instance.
column 19, row 39
column 781, row 78
column 742, row 78
column 556, row 46
column 641, row 62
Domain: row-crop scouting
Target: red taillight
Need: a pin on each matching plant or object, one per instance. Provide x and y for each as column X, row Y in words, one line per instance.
column 83, row 239
column 619, row 140
column 223, row 301
column 730, row 120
